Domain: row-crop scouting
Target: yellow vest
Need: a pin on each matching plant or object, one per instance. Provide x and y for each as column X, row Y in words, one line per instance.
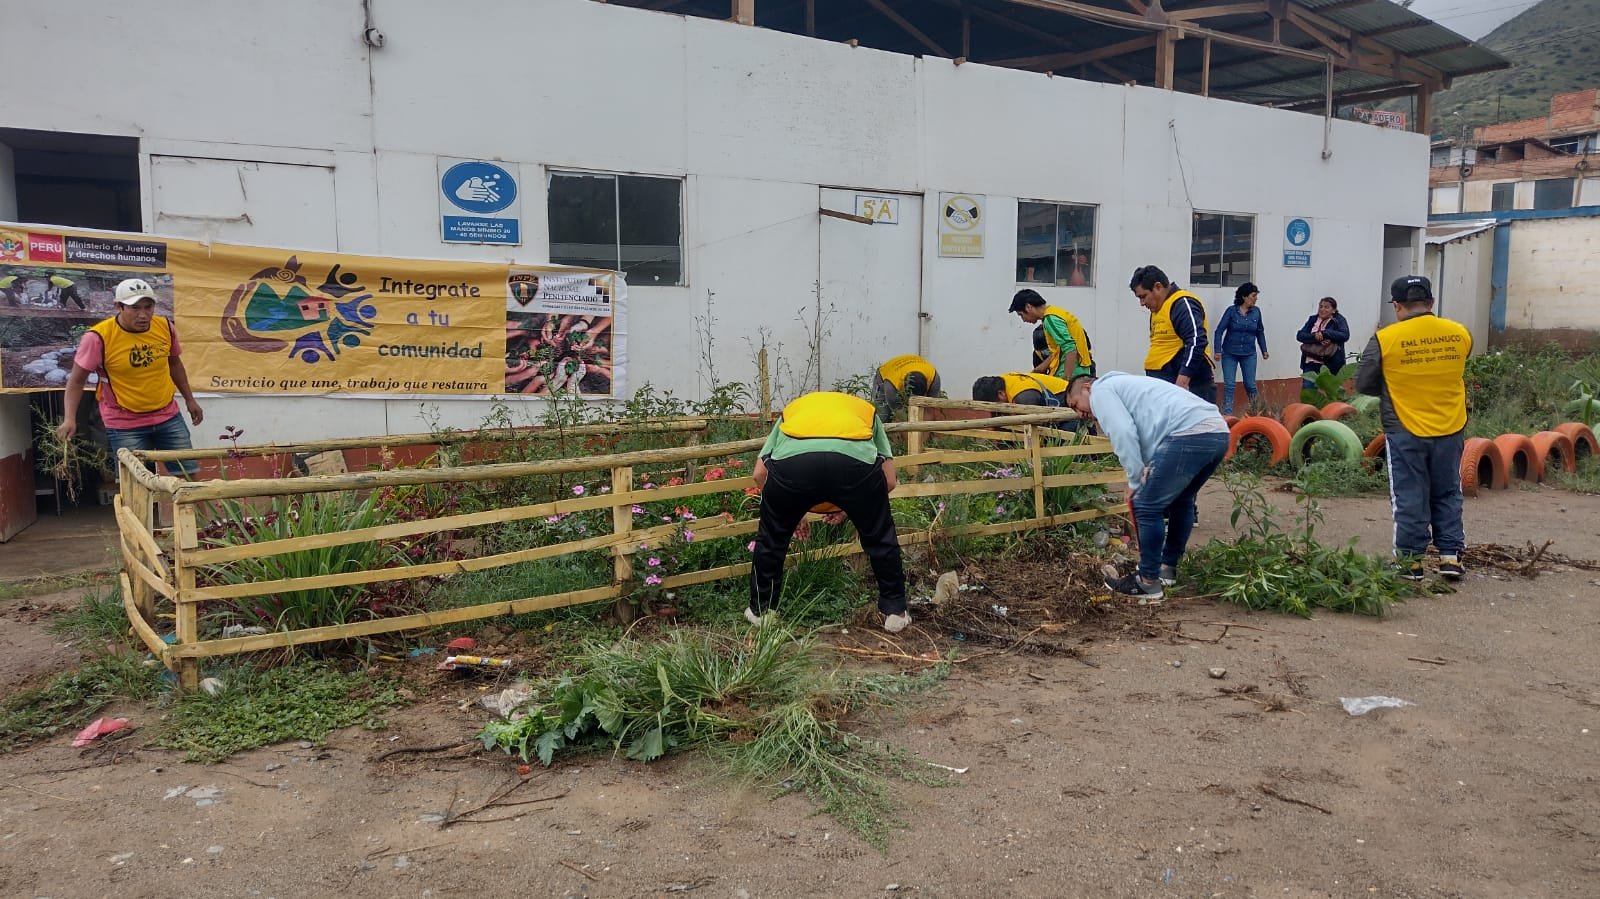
column 1164, row 340
column 828, row 414
column 58, row 281
column 1424, row 363
column 895, row 370
column 1017, row 382
column 1079, row 336
column 135, row 365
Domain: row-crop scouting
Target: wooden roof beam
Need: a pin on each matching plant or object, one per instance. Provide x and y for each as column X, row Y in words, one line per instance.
column 905, row 26
column 1066, row 60
column 1114, row 17
column 1211, row 12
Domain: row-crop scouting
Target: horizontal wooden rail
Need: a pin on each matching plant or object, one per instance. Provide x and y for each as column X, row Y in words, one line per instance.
column 445, row 437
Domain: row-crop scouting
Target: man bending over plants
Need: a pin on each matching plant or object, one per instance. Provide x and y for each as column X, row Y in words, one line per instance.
column 1416, row 366
column 1169, row 442
column 827, row 449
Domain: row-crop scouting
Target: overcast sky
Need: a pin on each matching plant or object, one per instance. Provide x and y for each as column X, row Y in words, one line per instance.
column 1470, row 18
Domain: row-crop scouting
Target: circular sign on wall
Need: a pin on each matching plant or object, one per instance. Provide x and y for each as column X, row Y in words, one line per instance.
column 1297, row 232
column 482, row 188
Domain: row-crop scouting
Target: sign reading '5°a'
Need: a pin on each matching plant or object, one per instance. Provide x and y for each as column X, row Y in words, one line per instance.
column 478, row 203
column 961, row 219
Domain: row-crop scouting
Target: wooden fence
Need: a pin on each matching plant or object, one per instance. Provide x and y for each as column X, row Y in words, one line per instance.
column 165, row 568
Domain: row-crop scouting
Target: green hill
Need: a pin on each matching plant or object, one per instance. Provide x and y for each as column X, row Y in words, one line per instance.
column 1554, row 48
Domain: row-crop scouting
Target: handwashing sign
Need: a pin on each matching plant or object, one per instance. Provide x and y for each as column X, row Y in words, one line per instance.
column 1297, row 242
column 478, row 203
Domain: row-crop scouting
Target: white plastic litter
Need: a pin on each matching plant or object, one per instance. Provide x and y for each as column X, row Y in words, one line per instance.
column 1366, row 704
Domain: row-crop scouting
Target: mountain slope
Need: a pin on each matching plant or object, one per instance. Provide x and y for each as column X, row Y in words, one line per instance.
column 1554, row 47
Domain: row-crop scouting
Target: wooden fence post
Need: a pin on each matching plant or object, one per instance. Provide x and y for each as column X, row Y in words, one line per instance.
column 622, row 525
column 1036, row 462
column 137, row 499
column 185, row 539
column 915, row 440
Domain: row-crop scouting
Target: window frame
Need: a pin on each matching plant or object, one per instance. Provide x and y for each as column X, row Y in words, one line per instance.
column 1222, row 246
column 1055, row 254
column 552, row 172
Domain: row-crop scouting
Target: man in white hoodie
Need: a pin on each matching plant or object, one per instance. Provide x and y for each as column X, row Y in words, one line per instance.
column 1169, row 442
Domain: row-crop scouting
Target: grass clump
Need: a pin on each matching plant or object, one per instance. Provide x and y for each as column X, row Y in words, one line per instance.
column 1341, row 477
column 299, row 702
column 1289, row 571
column 98, row 619
column 72, row 698
column 1585, row 480
column 767, row 708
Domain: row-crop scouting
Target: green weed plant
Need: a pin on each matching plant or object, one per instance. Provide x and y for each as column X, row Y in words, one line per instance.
column 768, row 708
column 72, row 698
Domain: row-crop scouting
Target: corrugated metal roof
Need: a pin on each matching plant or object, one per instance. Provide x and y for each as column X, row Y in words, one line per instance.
column 1445, row 232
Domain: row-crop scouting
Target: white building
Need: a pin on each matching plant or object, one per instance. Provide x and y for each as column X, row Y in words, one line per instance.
column 311, row 124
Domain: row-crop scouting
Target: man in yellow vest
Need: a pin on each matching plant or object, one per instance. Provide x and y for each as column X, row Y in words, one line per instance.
column 10, row 290
column 827, row 448
column 903, row 377
column 66, row 290
column 1026, row 389
column 1067, row 349
column 1177, row 333
column 1417, row 366
column 136, row 355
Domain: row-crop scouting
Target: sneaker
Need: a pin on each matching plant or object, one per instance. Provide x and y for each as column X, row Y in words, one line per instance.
column 1169, row 575
column 768, row 617
column 894, row 624
column 1450, row 568
column 1133, row 585
column 1412, row 571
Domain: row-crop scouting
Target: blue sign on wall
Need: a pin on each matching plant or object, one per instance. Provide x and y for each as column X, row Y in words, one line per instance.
column 1297, row 243
column 487, row 195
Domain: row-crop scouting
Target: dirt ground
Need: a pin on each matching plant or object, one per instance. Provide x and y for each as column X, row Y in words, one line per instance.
column 1124, row 772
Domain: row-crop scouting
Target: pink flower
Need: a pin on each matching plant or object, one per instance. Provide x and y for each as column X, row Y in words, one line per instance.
column 649, row 486
column 644, row 546
column 666, row 518
column 751, row 546
column 716, row 474
column 653, row 562
column 577, row 489
column 653, row 580
column 688, row 536
column 674, row 482
column 553, row 519
column 604, row 488
column 638, row 510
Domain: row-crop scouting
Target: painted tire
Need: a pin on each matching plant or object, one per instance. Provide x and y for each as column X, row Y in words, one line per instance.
column 1584, row 444
column 1336, row 432
column 1336, row 411
column 1482, row 466
column 825, row 508
column 1277, row 435
column 1297, row 414
column 1364, row 403
column 1231, row 420
column 1522, row 460
column 1555, row 450
column 1375, row 448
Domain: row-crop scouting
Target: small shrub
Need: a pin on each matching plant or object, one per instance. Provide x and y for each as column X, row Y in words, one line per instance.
column 98, row 619
column 71, row 698
column 1339, row 477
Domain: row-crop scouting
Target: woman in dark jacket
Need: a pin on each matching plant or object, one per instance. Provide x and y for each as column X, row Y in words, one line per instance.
column 1322, row 341
column 1238, row 335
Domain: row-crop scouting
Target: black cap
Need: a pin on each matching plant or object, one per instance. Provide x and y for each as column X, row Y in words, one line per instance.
column 1410, row 289
column 1025, row 297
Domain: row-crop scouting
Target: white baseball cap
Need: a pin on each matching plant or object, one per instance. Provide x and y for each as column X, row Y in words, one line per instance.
column 131, row 291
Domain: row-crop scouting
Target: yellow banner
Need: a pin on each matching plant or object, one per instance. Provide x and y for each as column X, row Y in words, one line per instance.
column 256, row 320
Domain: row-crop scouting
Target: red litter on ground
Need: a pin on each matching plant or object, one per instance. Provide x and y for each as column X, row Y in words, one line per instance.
column 97, row 729
column 462, row 644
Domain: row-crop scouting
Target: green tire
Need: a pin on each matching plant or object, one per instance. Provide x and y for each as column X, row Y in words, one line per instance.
column 1364, row 403
column 1337, row 432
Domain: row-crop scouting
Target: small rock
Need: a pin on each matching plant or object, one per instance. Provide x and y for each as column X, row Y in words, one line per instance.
column 120, row 858
column 203, row 803
column 574, row 833
column 175, row 792
column 306, row 744
column 203, row 793
column 402, row 862
column 1017, row 721
column 1217, row 673
column 741, row 893
column 1177, row 663
column 889, row 888
column 214, row 850
column 211, row 686
column 274, row 766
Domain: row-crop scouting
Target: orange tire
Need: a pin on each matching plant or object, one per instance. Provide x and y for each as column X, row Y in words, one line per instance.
column 1522, row 460
column 1336, row 411
column 1276, row 435
column 1231, row 420
column 1482, row 466
column 1555, row 450
column 825, row 508
column 1375, row 447
column 1584, row 443
column 1297, row 414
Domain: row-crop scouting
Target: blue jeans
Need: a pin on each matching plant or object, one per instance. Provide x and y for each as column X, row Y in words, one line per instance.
column 1163, row 507
column 1425, row 493
column 171, row 434
column 1247, row 365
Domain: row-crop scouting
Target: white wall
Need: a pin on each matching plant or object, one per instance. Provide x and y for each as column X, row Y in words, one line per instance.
column 1553, row 267
column 1460, row 271
column 756, row 121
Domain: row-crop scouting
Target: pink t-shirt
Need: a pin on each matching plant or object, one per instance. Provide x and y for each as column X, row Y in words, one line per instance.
column 91, row 357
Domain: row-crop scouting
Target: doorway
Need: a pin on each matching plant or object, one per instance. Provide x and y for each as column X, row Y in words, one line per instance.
column 1399, row 260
